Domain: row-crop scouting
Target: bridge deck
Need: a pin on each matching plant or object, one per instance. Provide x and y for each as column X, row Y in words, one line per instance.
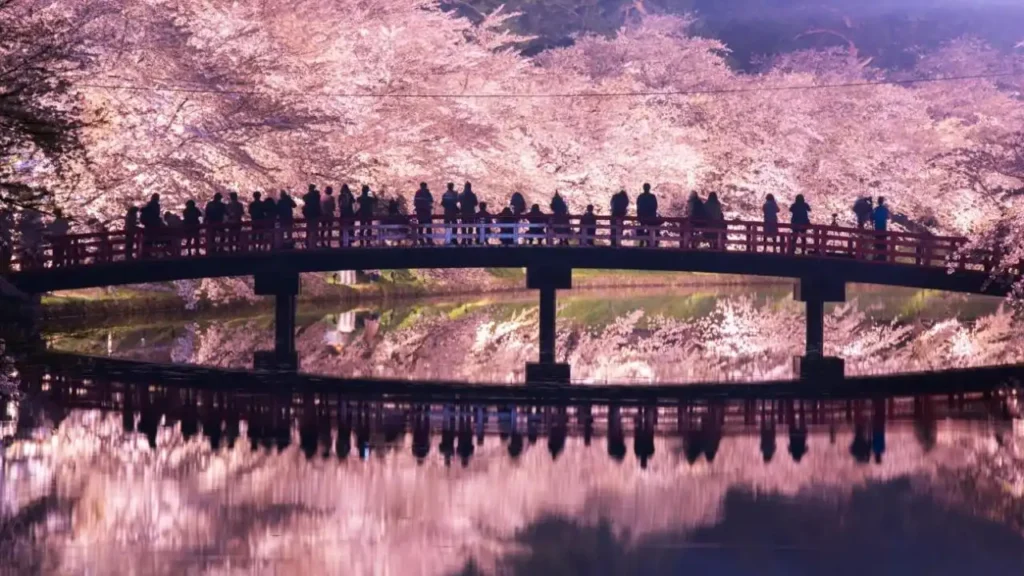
column 736, row 247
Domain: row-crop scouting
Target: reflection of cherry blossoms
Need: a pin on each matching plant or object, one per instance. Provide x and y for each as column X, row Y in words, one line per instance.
column 735, row 339
column 94, row 497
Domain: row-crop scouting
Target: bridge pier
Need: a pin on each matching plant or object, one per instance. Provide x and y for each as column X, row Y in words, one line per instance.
column 284, row 288
column 548, row 280
column 814, row 292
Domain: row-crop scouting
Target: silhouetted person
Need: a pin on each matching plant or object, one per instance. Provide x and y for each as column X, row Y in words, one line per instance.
column 880, row 217
column 256, row 215
column 347, row 214
column 311, row 211
column 714, row 219
column 367, row 203
column 483, row 220
column 397, row 224
column 233, row 213
column 506, row 226
column 797, row 432
column 467, row 208
column 423, row 203
column 800, row 221
column 450, row 209
column 771, row 223
column 58, row 231
column 308, row 436
column 151, row 223
column 518, row 204
column 215, row 212
column 588, row 226
column 647, row 214
column 862, row 210
column 560, row 218
column 619, row 208
column 362, row 433
column 131, row 231
column 696, row 221
column 174, row 232
column 328, row 213
column 286, row 213
column 536, row 219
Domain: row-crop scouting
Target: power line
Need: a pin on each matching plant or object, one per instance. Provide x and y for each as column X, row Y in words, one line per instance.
column 707, row 92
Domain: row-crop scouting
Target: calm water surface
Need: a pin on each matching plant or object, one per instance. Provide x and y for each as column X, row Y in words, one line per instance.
column 100, row 477
column 111, row 479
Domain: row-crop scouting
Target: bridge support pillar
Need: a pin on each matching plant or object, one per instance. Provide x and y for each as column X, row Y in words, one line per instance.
column 284, row 287
column 548, row 280
column 814, row 292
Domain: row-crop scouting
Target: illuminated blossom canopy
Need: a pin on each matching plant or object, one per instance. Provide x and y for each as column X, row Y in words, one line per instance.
column 187, row 98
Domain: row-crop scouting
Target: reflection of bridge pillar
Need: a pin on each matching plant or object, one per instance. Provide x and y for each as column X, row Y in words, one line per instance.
column 284, row 287
column 547, row 280
column 814, row 292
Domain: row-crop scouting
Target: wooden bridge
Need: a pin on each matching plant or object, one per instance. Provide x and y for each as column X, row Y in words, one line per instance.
column 821, row 259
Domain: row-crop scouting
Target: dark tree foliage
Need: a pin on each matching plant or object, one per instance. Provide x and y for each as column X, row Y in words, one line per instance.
column 40, row 115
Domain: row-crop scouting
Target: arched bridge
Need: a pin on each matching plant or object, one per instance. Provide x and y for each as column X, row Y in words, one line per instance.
column 822, row 259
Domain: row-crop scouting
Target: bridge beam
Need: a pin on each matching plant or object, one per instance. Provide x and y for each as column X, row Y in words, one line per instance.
column 814, row 292
column 548, row 280
column 284, row 287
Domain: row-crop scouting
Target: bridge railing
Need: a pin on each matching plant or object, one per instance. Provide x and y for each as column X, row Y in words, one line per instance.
column 584, row 232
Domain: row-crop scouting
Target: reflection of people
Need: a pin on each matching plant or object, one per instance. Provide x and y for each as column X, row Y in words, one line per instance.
column 797, row 433
column 643, row 439
column 557, row 433
column 465, row 446
column 447, row 445
column 878, row 428
column 421, row 434
column 616, row 441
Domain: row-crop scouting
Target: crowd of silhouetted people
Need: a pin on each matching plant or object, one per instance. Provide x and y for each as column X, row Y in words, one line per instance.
column 343, row 219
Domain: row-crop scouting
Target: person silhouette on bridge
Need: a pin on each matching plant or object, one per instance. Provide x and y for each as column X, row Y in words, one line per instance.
column 215, row 213
column 616, row 436
column 328, row 207
column 191, row 219
column 423, row 203
column 799, row 221
column 862, row 210
column 131, row 231
column 467, row 205
column 286, row 217
column 58, row 232
column 270, row 220
column 771, row 223
column 715, row 220
column 880, row 217
column 560, row 219
column 696, row 222
column 174, row 229
column 647, row 214
column 311, row 212
column 367, row 204
column 483, row 221
column 518, row 204
column 151, row 224
column 234, row 211
column 256, row 216
column 450, row 209
column 619, row 208
column 536, row 219
column 507, row 221
column 588, row 226
column 347, row 214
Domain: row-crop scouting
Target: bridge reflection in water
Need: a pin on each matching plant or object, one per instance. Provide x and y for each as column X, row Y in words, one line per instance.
column 340, row 424
column 165, row 473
